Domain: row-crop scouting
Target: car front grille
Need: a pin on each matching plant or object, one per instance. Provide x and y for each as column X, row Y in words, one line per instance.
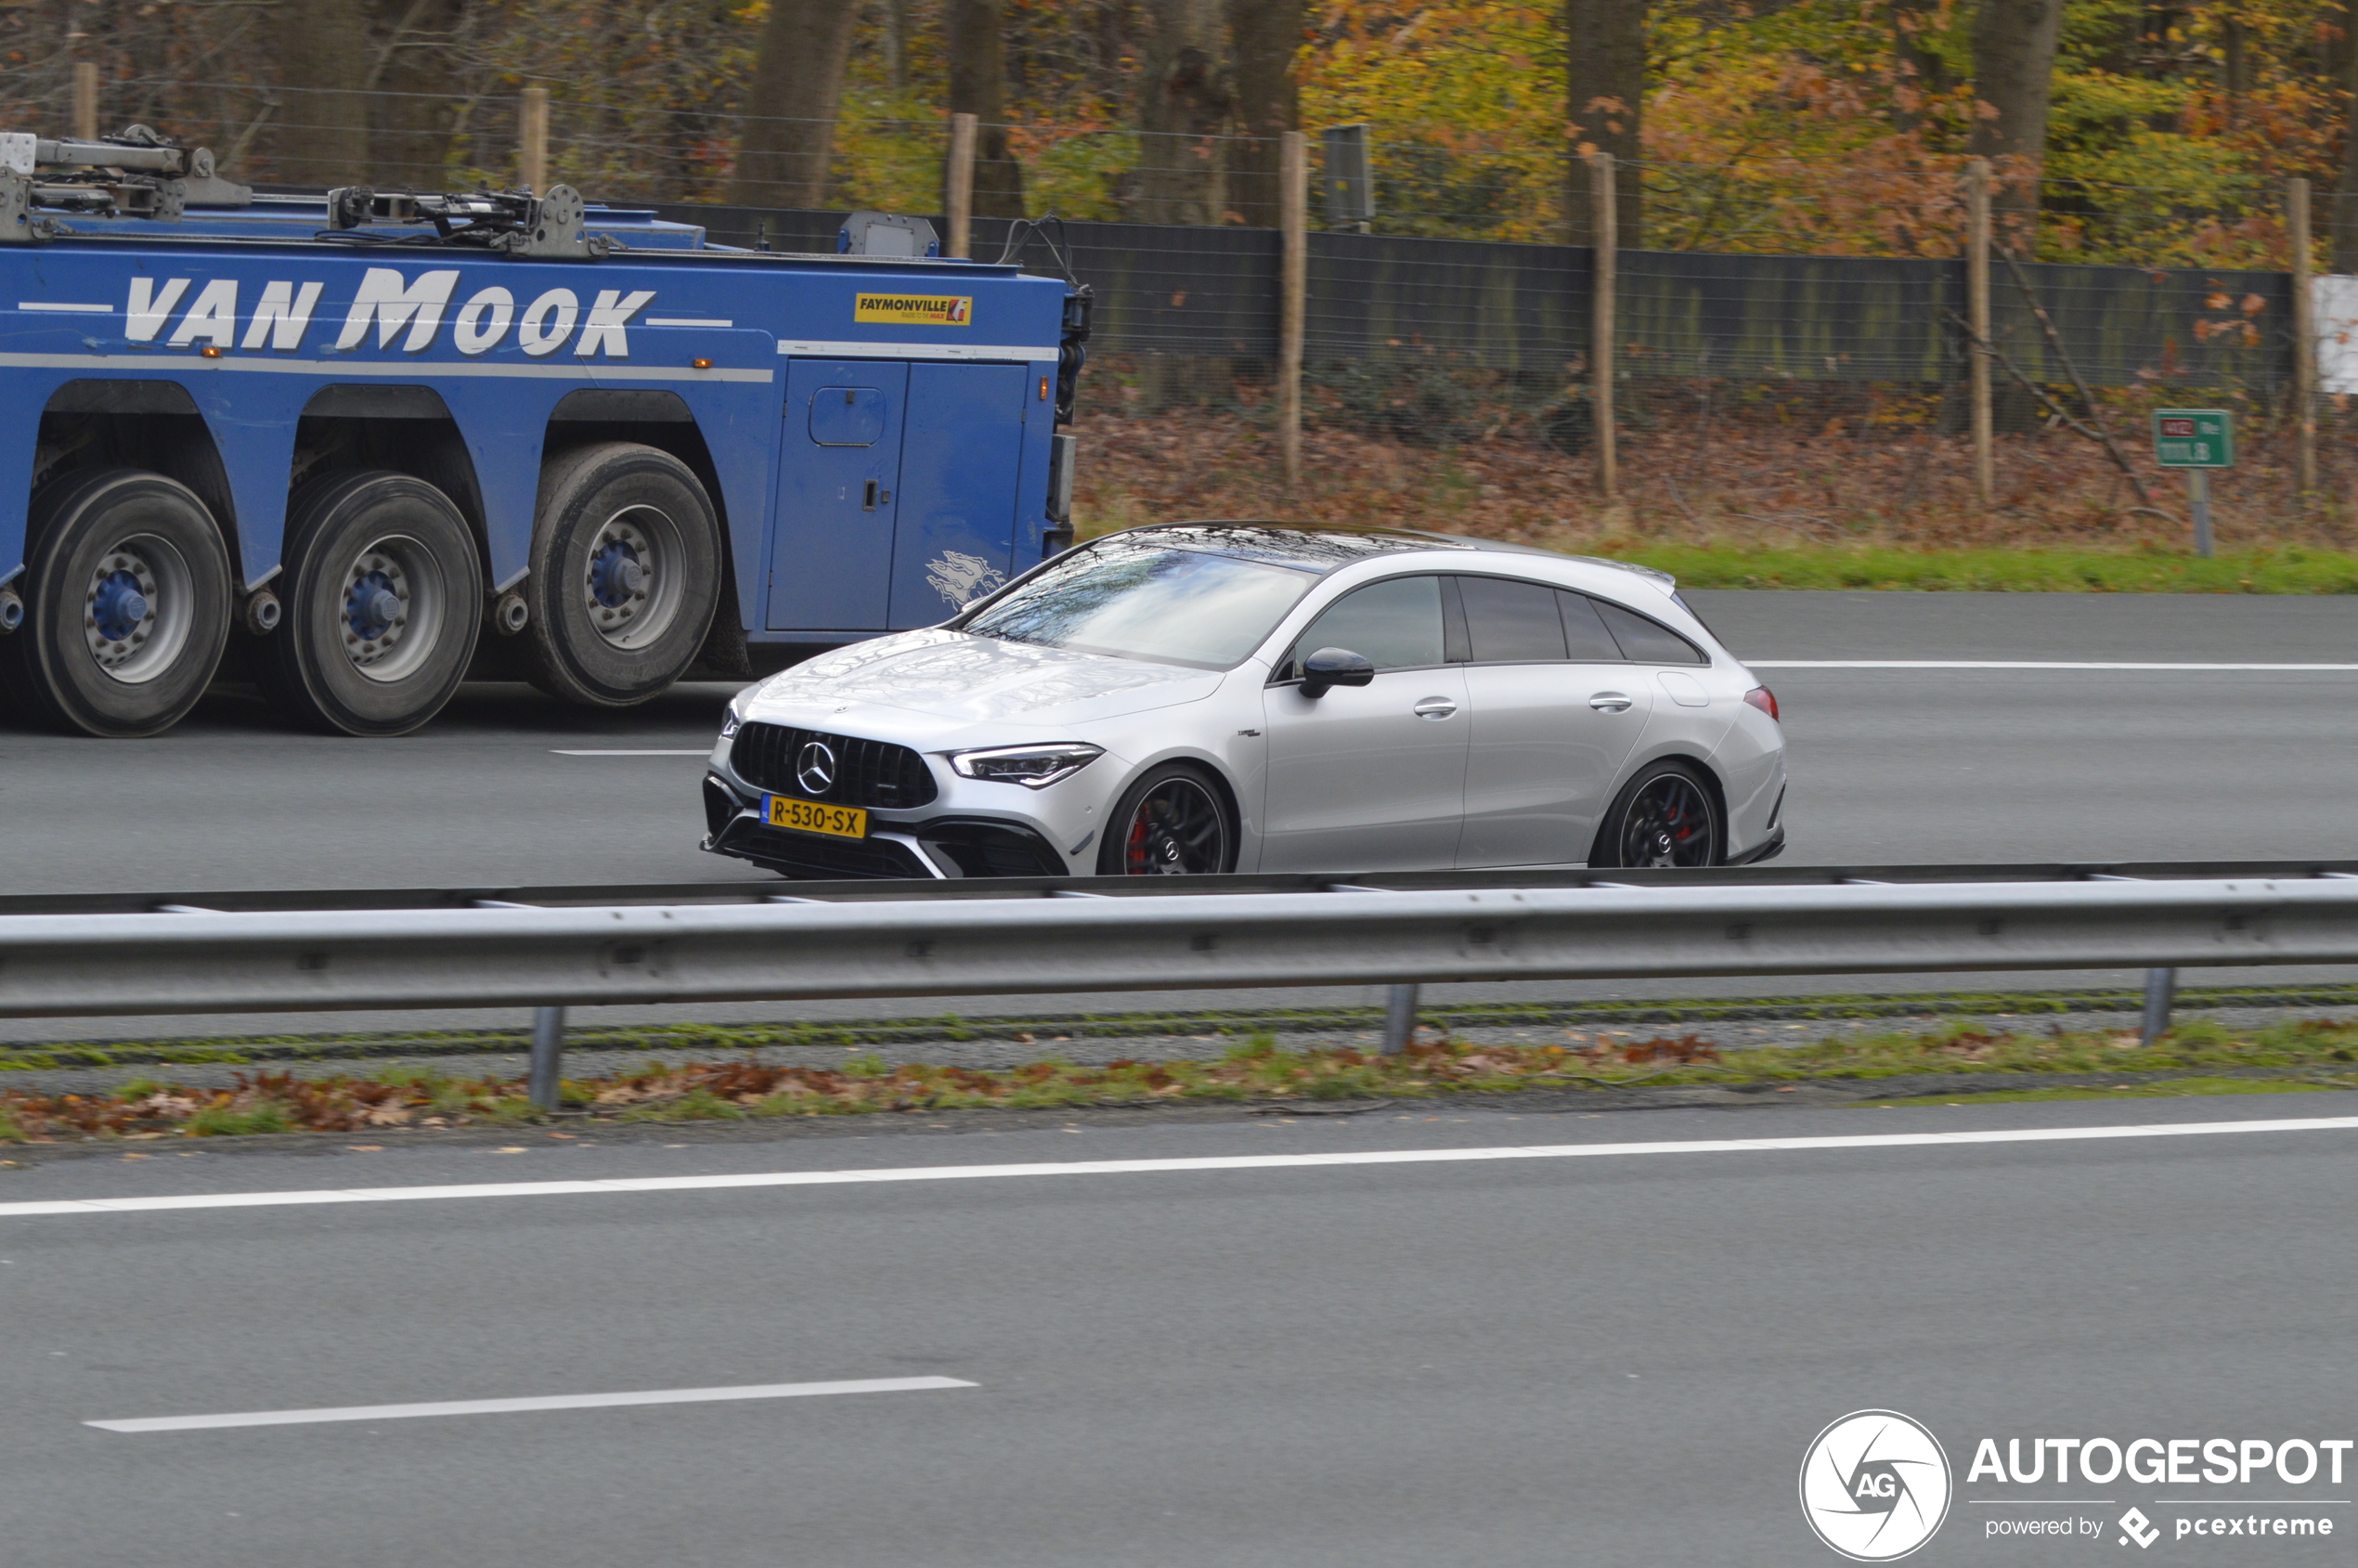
column 871, row 773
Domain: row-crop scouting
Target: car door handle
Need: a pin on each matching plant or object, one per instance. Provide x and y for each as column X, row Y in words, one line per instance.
column 1610, row 702
column 1435, row 707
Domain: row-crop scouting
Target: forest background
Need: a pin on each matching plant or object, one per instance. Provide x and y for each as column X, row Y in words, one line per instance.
column 2122, row 131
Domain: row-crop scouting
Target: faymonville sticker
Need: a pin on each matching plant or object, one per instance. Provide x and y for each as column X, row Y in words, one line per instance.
column 918, row 310
column 1875, row 1486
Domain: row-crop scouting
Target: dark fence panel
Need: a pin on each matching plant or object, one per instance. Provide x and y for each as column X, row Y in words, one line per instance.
column 1496, row 304
column 1212, row 293
column 2127, row 326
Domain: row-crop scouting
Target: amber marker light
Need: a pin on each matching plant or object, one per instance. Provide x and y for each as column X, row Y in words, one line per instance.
column 701, row 364
column 211, row 353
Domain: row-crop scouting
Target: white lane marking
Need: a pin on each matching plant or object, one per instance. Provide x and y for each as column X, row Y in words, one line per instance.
column 1164, row 1167
column 558, row 751
column 59, row 305
column 686, row 322
column 545, row 1401
column 2012, row 663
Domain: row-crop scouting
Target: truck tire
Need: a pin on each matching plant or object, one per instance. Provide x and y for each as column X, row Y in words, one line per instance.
column 383, row 597
column 625, row 570
column 127, row 591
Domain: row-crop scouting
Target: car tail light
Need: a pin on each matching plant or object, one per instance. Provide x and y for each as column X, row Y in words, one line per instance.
column 1763, row 699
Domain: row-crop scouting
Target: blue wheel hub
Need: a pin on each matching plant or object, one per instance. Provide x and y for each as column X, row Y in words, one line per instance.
column 119, row 607
column 371, row 607
column 616, row 576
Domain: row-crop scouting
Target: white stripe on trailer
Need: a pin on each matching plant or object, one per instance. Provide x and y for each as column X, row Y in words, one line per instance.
column 603, row 372
column 911, row 351
column 61, row 305
column 683, row 321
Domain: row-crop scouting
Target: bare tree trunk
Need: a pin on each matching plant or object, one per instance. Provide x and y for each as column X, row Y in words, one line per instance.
column 1605, row 81
column 412, row 64
column 797, row 83
column 978, row 86
column 1183, row 108
column 322, row 135
column 1263, row 34
column 1923, row 74
column 896, row 32
column 2014, row 68
column 2342, row 225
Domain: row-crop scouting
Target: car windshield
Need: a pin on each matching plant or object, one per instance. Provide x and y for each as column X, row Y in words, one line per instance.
column 1146, row 601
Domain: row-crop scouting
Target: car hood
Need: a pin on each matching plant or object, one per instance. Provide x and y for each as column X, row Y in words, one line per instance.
column 975, row 680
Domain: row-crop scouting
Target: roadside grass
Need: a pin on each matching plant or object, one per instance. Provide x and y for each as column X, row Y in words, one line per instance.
column 2287, row 569
column 1052, row 1030
column 2198, row 1057
column 2167, row 1089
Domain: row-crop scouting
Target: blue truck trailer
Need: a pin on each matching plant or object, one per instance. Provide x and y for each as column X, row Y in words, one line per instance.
column 366, row 442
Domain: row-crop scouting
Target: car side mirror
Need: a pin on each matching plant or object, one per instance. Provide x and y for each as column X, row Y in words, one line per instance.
column 1329, row 668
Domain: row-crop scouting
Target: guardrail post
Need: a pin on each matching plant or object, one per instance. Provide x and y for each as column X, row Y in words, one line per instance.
column 1399, row 1018
column 548, row 1056
column 2161, row 990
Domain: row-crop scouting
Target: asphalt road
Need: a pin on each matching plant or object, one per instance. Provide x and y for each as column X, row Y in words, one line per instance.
column 1914, row 765
column 1609, row 1360
column 1888, row 765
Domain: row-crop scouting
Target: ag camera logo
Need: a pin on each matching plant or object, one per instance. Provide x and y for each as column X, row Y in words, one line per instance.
column 1875, row 1486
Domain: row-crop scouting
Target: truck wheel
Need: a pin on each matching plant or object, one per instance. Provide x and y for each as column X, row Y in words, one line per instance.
column 626, row 569
column 126, row 593
column 383, row 601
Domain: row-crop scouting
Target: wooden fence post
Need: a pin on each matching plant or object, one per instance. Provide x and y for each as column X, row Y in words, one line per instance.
column 958, row 186
column 85, row 101
column 1293, row 223
column 1606, row 221
column 2304, row 343
column 1985, row 476
column 532, row 141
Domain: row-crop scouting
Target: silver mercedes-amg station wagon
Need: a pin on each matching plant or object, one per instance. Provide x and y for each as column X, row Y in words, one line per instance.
column 1204, row 697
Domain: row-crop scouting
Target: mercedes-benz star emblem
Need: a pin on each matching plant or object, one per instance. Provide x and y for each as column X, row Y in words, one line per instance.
column 814, row 767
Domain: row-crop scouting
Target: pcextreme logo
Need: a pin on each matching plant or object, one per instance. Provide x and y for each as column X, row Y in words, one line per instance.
column 1875, row 1486
column 921, row 310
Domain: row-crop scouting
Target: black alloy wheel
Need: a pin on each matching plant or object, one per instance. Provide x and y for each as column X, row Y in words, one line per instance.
column 1666, row 817
column 1173, row 823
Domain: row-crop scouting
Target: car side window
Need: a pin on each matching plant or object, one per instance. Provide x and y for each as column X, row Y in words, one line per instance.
column 1585, row 630
column 1395, row 625
column 1512, row 622
column 1647, row 641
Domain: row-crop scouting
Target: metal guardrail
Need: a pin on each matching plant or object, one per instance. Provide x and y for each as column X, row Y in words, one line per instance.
column 191, row 959
column 749, row 890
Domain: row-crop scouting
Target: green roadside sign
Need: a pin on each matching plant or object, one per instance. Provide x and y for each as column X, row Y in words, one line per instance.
column 2193, row 438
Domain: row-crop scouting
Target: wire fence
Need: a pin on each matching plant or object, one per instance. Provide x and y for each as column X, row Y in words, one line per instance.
column 1790, row 340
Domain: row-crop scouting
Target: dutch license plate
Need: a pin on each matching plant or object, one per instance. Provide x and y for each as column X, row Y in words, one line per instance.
column 810, row 816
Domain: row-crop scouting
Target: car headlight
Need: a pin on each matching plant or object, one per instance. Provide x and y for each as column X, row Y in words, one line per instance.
column 1035, row 767
column 730, row 721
